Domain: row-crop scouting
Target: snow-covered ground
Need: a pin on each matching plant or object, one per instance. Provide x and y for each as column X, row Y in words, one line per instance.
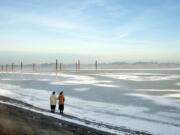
column 145, row 100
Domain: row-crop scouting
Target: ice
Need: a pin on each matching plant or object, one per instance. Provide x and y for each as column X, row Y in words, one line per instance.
column 165, row 130
column 81, row 89
column 145, row 74
column 139, row 76
column 106, row 110
column 159, row 90
column 158, row 99
column 141, row 69
column 78, row 79
column 44, row 80
column 10, row 79
column 106, row 85
column 88, row 109
column 172, row 95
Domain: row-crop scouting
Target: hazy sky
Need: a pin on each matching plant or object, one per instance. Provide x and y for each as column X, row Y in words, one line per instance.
column 107, row 30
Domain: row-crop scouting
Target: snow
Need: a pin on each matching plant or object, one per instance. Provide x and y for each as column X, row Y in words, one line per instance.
column 20, row 79
column 64, row 118
column 159, row 90
column 44, row 80
column 172, row 95
column 111, row 113
column 106, row 85
column 140, row 76
column 81, row 89
column 78, row 79
column 89, row 109
column 161, row 100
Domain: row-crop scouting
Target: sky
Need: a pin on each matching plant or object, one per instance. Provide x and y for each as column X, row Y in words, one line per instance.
column 106, row 30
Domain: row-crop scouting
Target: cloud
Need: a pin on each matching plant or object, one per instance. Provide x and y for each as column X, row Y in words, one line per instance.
column 43, row 20
column 74, row 18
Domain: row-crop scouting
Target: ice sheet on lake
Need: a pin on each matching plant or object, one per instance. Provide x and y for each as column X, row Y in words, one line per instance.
column 139, row 76
column 106, row 85
column 159, row 90
column 78, row 79
column 81, row 89
column 104, row 112
column 43, row 80
column 117, row 114
column 18, row 79
column 157, row 99
column 177, row 95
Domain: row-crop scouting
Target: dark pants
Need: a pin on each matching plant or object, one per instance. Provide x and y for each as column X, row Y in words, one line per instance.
column 53, row 108
column 61, row 108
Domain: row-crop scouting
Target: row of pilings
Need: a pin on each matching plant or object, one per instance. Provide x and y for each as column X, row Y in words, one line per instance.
column 58, row 67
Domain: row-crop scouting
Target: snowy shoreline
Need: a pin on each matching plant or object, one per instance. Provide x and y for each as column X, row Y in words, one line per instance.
column 71, row 121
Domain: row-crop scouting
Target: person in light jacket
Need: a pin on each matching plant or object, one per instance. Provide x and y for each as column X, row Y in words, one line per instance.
column 53, row 101
column 61, row 102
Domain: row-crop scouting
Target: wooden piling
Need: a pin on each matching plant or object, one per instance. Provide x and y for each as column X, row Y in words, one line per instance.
column 34, row 67
column 78, row 66
column 60, row 67
column 12, row 67
column 96, row 65
column 56, row 66
column 6, row 68
column 21, row 66
column 2, row 68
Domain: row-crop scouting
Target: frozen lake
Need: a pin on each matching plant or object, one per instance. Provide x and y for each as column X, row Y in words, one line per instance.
column 147, row 100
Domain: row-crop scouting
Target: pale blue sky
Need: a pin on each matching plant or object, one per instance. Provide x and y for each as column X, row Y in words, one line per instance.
column 107, row 30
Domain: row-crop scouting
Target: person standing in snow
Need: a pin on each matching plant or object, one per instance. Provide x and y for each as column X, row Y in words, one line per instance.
column 53, row 101
column 61, row 102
